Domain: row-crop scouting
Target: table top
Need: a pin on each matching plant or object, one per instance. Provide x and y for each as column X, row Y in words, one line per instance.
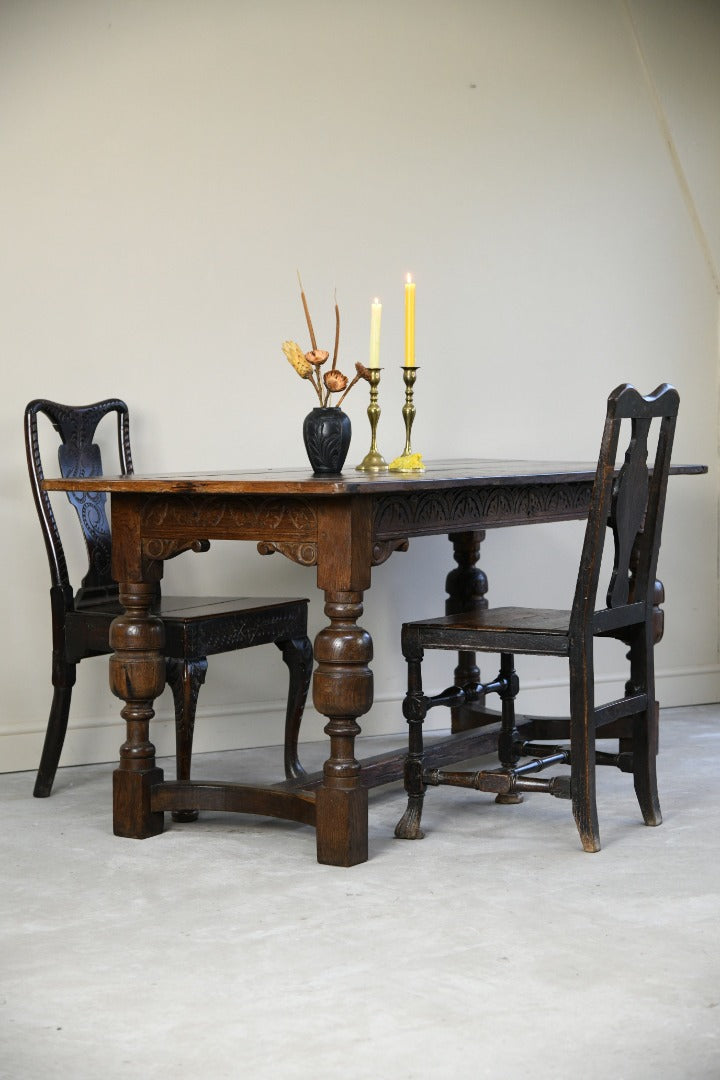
column 479, row 472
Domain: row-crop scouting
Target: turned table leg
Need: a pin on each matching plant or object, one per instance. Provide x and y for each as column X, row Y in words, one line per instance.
column 466, row 586
column 137, row 676
column 342, row 691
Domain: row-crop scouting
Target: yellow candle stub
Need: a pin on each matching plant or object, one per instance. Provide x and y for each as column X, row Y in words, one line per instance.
column 409, row 322
column 407, row 463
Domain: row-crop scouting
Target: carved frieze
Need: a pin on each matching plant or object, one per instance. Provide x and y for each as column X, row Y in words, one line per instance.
column 229, row 516
column 422, row 513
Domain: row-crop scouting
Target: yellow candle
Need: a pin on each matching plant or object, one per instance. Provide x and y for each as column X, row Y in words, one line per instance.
column 375, row 316
column 409, row 322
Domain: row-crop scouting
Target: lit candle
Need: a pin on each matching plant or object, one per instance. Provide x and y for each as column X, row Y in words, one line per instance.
column 409, row 322
column 375, row 316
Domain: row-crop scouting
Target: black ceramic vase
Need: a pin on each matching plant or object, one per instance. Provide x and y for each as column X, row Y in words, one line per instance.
column 326, row 432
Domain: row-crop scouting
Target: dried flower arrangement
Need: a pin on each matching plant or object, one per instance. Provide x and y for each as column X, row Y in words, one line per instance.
column 308, row 364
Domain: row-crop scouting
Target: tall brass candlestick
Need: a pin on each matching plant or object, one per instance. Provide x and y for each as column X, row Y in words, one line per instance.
column 408, row 460
column 373, row 460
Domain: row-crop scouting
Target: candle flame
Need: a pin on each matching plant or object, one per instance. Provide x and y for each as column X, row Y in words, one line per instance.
column 408, row 279
column 376, row 300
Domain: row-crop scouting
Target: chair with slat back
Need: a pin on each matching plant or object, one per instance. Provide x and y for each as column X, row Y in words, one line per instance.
column 629, row 502
column 195, row 627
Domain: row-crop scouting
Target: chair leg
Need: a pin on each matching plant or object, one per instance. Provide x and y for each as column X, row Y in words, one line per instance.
column 298, row 655
column 185, row 677
column 508, row 734
column 56, row 729
column 582, row 751
column 644, row 770
column 645, row 733
column 415, row 711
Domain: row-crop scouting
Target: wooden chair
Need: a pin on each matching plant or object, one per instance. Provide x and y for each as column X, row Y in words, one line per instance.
column 195, row 627
column 630, row 502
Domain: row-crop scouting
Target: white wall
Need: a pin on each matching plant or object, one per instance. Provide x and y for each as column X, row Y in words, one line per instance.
column 549, row 172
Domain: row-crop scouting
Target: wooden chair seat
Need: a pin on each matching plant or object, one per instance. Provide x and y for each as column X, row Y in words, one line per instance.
column 628, row 500
column 195, row 626
column 504, row 629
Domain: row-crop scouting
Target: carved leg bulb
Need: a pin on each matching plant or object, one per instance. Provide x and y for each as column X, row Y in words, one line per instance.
column 342, row 691
column 137, row 676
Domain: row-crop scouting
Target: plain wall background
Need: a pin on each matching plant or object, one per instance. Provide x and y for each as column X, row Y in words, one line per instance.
column 548, row 170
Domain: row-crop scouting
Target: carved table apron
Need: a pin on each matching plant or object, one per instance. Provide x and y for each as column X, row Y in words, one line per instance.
column 343, row 526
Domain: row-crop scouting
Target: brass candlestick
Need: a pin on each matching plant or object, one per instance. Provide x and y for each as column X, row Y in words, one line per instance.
column 408, row 461
column 373, row 460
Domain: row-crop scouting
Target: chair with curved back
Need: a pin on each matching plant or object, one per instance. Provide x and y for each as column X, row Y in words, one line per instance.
column 629, row 502
column 195, row 627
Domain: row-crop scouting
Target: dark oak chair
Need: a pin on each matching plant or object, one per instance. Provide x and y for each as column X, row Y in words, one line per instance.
column 195, row 627
column 630, row 503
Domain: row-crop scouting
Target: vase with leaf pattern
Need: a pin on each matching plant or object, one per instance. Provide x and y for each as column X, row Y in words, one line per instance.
column 326, row 433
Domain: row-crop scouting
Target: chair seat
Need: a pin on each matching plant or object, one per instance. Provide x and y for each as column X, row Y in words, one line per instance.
column 198, row 626
column 207, row 625
column 503, row 629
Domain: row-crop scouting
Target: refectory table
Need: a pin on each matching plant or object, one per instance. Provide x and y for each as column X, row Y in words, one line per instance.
column 343, row 526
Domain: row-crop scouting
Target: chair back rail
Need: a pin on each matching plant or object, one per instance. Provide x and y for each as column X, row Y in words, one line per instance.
column 630, row 504
column 78, row 456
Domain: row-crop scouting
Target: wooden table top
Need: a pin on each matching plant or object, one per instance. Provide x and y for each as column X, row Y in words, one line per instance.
column 438, row 474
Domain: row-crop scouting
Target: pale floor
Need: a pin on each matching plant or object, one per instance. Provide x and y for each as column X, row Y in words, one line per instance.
column 493, row 948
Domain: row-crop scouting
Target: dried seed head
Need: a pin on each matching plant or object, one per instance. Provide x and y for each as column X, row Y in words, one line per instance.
column 297, row 358
column 363, row 372
column 335, row 381
column 317, row 357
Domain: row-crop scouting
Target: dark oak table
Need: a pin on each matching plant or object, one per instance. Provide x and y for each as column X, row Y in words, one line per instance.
column 343, row 526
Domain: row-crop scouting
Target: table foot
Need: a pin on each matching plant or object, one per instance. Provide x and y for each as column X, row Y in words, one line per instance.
column 132, row 815
column 408, row 827
column 341, row 826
